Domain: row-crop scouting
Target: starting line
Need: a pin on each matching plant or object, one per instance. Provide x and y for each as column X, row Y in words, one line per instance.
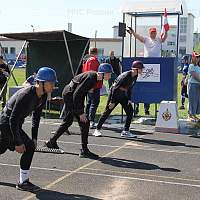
column 49, row 150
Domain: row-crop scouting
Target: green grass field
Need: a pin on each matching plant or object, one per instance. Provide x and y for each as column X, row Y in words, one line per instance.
column 20, row 77
column 117, row 111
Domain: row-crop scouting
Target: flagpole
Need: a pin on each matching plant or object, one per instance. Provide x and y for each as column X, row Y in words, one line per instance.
column 161, row 32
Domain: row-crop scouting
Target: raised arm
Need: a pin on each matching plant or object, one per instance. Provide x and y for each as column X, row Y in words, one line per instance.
column 164, row 37
column 137, row 36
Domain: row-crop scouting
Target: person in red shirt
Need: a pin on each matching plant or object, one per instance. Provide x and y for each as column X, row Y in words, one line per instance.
column 93, row 97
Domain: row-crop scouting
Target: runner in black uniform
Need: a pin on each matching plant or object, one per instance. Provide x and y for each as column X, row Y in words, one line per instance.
column 30, row 99
column 74, row 96
column 120, row 92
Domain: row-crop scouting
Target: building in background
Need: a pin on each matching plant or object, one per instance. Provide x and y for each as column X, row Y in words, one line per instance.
column 105, row 45
column 196, row 39
column 187, row 39
column 11, row 48
column 186, row 34
column 69, row 27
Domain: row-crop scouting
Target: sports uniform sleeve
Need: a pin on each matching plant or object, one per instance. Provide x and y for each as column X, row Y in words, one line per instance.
column 14, row 120
column 80, row 93
column 36, row 118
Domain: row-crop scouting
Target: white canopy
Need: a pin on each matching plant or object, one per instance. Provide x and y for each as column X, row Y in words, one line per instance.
column 173, row 7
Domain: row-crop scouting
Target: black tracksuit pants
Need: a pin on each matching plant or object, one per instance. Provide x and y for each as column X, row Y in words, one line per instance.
column 6, row 142
column 68, row 120
column 118, row 96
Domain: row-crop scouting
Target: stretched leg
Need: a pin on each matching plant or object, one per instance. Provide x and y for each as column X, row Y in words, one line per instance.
column 67, row 122
column 109, row 108
column 146, row 108
column 182, row 98
column 129, row 115
column 95, row 99
column 87, row 109
column 107, row 111
column 105, row 116
column 136, row 108
column 27, row 157
column 3, row 141
column 84, row 128
column 85, row 152
column 25, row 163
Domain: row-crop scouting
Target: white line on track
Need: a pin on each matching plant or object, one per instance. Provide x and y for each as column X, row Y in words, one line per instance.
column 73, row 172
column 113, row 176
column 135, row 146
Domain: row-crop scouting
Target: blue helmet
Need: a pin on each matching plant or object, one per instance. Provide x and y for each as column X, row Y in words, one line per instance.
column 46, row 74
column 105, row 68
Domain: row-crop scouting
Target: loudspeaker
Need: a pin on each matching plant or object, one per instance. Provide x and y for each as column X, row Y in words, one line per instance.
column 122, row 30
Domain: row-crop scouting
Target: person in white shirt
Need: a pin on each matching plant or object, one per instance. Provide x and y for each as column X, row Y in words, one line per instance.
column 152, row 48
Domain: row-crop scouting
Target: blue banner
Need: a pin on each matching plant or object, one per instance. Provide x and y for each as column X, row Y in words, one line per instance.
column 158, row 81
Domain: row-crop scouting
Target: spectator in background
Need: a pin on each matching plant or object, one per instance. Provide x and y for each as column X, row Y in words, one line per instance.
column 93, row 97
column 30, row 80
column 4, row 73
column 184, row 82
column 194, row 88
column 152, row 48
column 115, row 62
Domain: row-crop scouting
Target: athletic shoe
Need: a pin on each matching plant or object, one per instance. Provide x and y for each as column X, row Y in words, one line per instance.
column 87, row 154
column 51, row 145
column 27, row 186
column 97, row 133
column 128, row 134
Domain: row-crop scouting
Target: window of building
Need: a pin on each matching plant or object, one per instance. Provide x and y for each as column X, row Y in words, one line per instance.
column 182, row 38
column 170, row 43
column 12, row 50
column 100, row 51
column 183, row 28
column 183, row 25
column 182, row 50
column 5, row 49
column 183, row 20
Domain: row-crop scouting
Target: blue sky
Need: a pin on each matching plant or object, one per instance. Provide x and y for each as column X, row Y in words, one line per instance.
column 86, row 16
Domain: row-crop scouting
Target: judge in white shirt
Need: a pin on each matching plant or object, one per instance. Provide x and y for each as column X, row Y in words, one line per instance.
column 152, row 48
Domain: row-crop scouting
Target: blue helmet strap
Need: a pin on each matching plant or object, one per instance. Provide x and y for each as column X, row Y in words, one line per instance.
column 43, row 86
column 102, row 76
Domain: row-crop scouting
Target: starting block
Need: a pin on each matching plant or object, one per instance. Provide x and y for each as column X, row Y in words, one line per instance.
column 49, row 150
column 167, row 120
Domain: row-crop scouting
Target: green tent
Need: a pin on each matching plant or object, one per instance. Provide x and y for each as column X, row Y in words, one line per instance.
column 61, row 50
